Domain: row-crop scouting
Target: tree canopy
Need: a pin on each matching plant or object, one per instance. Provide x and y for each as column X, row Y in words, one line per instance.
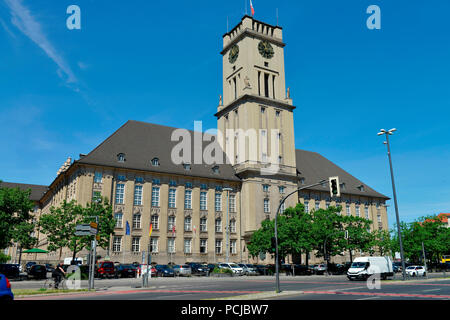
column 16, row 221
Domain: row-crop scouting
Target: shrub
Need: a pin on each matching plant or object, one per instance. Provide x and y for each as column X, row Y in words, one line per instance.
column 222, row 270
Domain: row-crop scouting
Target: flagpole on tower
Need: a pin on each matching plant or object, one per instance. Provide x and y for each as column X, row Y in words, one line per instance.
column 277, row 17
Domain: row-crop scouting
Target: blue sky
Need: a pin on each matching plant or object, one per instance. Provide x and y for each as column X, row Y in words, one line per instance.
column 62, row 92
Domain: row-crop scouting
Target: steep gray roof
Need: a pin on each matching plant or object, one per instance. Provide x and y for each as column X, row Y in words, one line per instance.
column 314, row 167
column 37, row 191
column 141, row 142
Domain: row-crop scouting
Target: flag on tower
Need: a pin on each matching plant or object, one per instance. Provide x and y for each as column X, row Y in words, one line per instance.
column 253, row 9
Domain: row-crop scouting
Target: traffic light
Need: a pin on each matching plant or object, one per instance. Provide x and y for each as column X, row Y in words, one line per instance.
column 334, row 187
column 273, row 240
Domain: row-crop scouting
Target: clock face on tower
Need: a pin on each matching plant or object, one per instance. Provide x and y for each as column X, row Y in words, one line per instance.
column 234, row 53
column 265, row 49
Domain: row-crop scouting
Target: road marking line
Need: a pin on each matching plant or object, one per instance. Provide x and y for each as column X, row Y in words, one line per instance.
column 369, row 298
column 381, row 294
column 429, row 290
column 354, row 288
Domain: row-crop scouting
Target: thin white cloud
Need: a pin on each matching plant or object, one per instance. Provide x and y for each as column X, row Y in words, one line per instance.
column 21, row 17
column 5, row 27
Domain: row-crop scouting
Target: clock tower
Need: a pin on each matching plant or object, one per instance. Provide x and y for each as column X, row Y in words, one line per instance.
column 255, row 120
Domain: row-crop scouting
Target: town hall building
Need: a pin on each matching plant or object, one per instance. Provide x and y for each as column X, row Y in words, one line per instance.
column 190, row 204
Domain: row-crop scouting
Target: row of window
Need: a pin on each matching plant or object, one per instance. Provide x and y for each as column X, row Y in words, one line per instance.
column 281, row 189
column 347, row 209
column 120, row 192
column 136, row 223
column 154, row 245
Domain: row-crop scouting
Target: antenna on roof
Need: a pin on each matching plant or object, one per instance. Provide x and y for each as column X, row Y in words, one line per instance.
column 227, row 25
column 245, row 7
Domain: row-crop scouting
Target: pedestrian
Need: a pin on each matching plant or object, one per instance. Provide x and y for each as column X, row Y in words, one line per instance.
column 58, row 274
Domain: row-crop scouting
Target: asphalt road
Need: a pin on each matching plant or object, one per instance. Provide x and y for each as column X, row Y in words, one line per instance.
column 257, row 288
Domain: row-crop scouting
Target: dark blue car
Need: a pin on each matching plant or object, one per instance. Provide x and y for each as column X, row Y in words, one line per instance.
column 5, row 289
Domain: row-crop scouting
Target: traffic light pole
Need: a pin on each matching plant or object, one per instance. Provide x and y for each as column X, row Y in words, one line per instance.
column 277, row 272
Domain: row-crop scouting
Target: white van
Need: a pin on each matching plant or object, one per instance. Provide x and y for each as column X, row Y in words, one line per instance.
column 364, row 267
column 68, row 261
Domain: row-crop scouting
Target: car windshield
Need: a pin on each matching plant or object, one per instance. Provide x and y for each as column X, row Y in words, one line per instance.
column 233, row 265
column 185, row 266
column 358, row 264
column 128, row 266
column 410, row 268
column 108, row 265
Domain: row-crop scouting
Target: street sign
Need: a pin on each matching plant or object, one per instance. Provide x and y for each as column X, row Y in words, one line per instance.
column 93, row 225
column 85, row 230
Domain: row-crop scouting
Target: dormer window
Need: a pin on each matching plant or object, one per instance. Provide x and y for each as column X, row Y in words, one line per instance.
column 361, row 188
column 216, row 169
column 155, row 162
column 187, row 166
column 121, row 157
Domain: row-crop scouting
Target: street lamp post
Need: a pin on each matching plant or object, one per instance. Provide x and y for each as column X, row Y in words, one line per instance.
column 388, row 133
column 227, row 227
column 277, row 273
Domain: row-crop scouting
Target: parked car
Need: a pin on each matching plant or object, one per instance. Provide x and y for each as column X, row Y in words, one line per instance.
column 320, row 269
column 50, row 267
column 37, row 271
column 198, row 269
column 414, row 271
column 125, row 271
column 29, row 265
column 163, row 270
column 18, row 266
column 105, row 269
column 10, row 271
column 233, row 267
column 5, row 288
column 336, row 268
column 287, row 269
column 262, row 269
column 182, row 270
column 300, row 269
column 249, row 269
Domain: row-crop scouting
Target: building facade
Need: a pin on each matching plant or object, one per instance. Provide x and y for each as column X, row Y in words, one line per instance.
column 138, row 168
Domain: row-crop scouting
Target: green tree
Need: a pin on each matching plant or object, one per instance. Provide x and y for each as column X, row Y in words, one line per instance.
column 102, row 209
column 293, row 227
column 59, row 227
column 359, row 235
column 381, row 241
column 16, row 223
column 430, row 231
column 327, row 229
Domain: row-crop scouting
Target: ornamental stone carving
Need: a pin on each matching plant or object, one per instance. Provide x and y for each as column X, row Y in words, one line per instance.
column 119, row 207
column 155, row 211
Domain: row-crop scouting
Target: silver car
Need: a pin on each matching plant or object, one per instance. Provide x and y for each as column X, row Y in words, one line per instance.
column 249, row 269
column 182, row 270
